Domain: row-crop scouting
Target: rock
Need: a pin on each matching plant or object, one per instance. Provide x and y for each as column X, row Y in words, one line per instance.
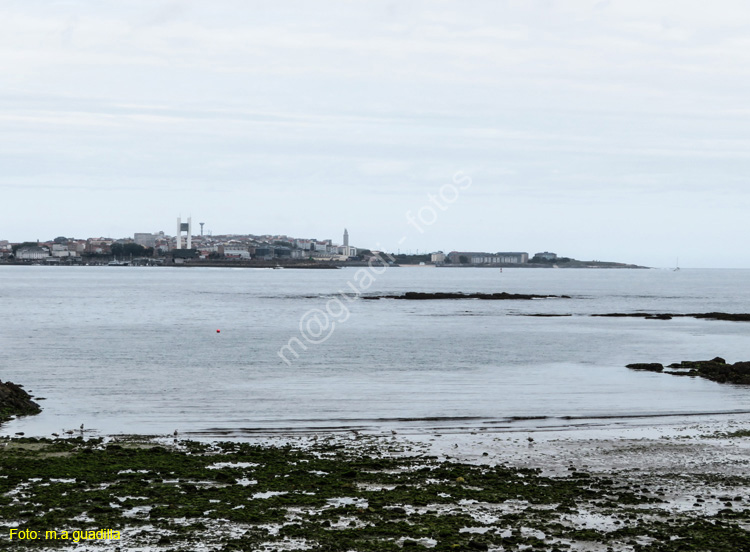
column 14, row 401
column 649, row 367
column 691, row 373
column 715, row 370
column 738, row 372
column 502, row 296
column 625, row 315
column 732, row 317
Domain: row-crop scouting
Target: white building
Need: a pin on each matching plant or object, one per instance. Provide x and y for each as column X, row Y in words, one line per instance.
column 323, row 246
column 307, row 245
column 145, row 239
column 481, row 258
column 513, row 257
column 32, row 253
column 237, row 250
column 62, row 250
column 186, row 227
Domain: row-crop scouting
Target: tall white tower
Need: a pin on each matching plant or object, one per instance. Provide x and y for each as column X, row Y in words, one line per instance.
column 184, row 227
column 346, row 237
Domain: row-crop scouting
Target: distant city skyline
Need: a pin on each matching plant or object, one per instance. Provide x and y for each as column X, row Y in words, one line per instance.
column 605, row 129
column 405, row 249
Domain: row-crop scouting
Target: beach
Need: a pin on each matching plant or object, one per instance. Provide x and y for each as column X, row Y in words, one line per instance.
column 679, row 485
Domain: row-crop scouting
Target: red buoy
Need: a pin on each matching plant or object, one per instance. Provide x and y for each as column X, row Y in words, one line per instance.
column 218, row 331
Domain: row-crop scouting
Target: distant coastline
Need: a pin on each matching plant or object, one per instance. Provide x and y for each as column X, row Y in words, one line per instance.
column 575, row 264
column 296, row 264
column 266, row 251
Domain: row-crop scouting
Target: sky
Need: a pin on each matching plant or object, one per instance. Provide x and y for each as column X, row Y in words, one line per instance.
column 607, row 130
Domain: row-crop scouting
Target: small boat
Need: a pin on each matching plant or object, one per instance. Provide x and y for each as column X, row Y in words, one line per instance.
column 677, row 265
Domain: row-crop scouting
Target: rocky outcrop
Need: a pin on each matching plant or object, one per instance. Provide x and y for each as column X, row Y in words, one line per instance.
column 14, row 401
column 715, row 369
column 648, row 367
column 422, row 296
column 731, row 317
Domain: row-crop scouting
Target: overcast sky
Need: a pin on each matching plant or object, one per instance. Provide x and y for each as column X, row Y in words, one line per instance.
column 610, row 130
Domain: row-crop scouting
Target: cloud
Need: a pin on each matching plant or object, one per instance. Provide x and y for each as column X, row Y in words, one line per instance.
column 548, row 104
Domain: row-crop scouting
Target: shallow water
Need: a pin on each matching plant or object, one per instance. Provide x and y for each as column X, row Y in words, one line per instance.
column 135, row 350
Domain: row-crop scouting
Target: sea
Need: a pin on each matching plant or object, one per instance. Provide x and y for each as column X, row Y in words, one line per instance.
column 151, row 350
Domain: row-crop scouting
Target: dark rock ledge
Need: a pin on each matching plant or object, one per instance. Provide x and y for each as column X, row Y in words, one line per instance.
column 14, row 401
column 422, row 296
column 716, row 370
column 732, row 317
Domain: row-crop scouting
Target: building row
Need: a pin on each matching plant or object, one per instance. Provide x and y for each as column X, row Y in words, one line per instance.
column 264, row 247
column 484, row 258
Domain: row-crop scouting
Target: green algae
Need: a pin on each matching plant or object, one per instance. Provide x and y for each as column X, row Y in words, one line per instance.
column 332, row 497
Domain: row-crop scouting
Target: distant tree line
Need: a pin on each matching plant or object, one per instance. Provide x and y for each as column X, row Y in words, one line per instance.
column 542, row 260
column 18, row 246
column 411, row 259
column 128, row 249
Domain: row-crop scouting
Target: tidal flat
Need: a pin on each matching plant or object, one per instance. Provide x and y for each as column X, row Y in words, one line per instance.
column 683, row 487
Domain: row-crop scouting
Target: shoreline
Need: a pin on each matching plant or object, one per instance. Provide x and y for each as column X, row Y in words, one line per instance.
column 40, row 428
column 326, row 265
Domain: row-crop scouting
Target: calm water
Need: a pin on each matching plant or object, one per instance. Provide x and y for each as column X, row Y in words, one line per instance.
column 135, row 350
